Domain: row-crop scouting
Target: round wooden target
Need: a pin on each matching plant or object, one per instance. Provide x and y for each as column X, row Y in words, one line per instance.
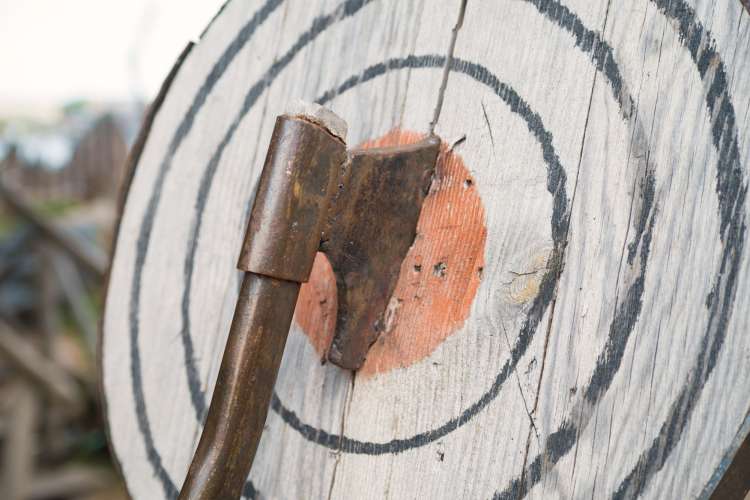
column 572, row 319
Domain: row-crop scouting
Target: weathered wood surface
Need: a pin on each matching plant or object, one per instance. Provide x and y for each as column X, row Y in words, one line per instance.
column 605, row 350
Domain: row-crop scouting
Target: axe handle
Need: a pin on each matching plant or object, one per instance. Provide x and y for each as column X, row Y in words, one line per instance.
column 244, row 389
column 299, row 178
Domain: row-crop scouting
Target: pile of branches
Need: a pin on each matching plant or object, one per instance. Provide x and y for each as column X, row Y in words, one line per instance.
column 52, row 441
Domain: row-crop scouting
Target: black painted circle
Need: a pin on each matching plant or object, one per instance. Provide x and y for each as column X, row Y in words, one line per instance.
column 732, row 223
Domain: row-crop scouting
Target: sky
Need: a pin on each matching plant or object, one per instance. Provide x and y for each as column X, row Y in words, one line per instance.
column 57, row 51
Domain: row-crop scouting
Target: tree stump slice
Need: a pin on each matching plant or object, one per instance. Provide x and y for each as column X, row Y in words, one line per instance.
column 573, row 317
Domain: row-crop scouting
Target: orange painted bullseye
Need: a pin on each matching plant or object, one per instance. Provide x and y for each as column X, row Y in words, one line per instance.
column 439, row 277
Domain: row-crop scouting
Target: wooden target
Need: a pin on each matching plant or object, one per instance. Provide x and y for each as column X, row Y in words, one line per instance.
column 572, row 320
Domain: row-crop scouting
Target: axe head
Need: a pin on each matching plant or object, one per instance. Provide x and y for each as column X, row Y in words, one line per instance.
column 371, row 225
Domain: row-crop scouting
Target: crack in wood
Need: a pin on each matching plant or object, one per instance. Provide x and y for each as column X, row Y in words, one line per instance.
column 560, row 266
column 518, row 382
column 438, row 107
column 448, row 65
column 489, row 128
column 346, row 409
column 639, row 177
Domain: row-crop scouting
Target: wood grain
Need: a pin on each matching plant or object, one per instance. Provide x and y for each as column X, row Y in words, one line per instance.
column 604, row 353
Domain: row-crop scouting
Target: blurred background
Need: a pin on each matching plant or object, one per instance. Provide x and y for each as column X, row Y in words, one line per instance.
column 75, row 79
